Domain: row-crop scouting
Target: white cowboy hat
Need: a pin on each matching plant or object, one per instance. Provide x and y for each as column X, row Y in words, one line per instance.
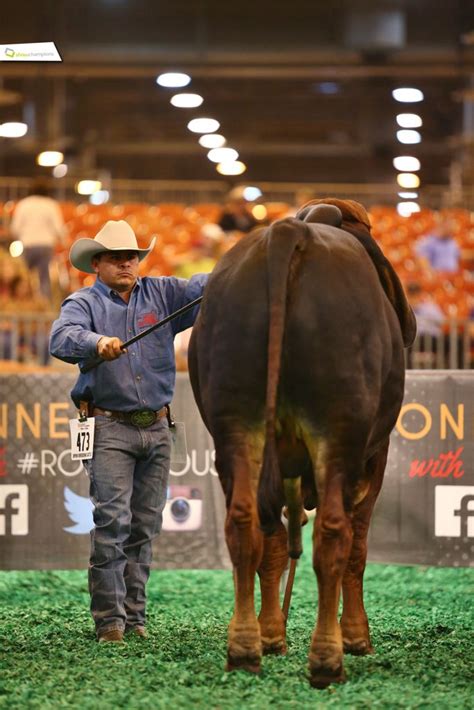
column 115, row 235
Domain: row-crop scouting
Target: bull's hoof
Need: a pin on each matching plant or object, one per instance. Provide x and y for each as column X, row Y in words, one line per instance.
column 248, row 663
column 274, row 646
column 358, row 647
column 326, row 666
column 322, row 677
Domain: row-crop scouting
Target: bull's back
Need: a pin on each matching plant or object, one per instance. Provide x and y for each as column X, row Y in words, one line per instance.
column 342, row 341
column 340, row 333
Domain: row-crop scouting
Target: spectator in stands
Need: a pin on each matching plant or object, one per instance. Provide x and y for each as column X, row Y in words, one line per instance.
column 439, row 251
column 236, row 215
column 38, row 223
column 429, row 316
column 429, row 328
column 205, row 254
column 202, row 259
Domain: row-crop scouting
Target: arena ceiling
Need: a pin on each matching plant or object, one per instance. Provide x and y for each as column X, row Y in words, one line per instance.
column 302, row 89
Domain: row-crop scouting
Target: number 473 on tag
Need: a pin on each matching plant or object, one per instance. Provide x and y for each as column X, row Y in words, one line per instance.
column 82, row 438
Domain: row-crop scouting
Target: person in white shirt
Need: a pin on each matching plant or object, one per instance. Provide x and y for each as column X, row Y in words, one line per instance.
column 38, row 223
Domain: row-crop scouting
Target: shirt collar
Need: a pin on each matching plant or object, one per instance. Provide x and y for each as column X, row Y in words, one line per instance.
column 110, row 292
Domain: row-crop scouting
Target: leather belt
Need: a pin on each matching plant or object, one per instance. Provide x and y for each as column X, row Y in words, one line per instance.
column 139, row 418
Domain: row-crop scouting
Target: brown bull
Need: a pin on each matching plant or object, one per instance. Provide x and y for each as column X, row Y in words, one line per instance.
column 296, row 361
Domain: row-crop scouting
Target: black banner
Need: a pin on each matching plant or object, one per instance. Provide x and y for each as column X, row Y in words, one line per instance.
column 425, row 513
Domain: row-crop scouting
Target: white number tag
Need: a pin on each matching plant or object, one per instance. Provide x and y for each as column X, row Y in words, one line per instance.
column 179, row 449
column 82, row 438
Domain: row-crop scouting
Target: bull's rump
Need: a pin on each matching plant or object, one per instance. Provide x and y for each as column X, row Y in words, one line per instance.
column 341, row 338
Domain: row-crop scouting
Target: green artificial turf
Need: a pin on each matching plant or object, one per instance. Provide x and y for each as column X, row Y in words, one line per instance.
column 421, row 624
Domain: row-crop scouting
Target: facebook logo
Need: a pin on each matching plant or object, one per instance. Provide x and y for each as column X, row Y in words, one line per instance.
column 14, row 509
column 454, row 511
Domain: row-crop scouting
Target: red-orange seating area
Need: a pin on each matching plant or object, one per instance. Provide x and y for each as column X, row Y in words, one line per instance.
column 177, row 228
column 454, row 293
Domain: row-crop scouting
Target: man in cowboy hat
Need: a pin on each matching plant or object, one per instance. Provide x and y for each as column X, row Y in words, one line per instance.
column 128, row 396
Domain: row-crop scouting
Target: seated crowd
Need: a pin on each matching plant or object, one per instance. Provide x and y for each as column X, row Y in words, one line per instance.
column 432, row 252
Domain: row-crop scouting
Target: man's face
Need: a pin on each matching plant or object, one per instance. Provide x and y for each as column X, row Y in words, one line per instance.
column 117, row 269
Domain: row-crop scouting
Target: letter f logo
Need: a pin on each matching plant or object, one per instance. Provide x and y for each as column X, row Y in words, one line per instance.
column 14, row 509
column 454, row 511
column 465, row 512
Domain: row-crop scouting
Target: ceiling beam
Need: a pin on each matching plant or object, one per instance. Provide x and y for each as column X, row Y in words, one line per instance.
column 265, row 69
column 247, row 148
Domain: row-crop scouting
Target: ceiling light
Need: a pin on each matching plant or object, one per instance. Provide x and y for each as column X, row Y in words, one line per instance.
column 328, row 87
column 13, row 129
column 212, row 140
column 16, row 248
column 406, row 95
column 186, row 100
column 259, row 211
column 408, row 137
column 406, row 163
column 409, row 120
column 49, row 158
column 60, row 170
column 408, row 180
column 100, row 197
column 251, row 193
column 173, row 80
column 203, row 125
column 408, row 195
column 405, row 209
column 87, row 187
column 235, row 168
column 223, row 155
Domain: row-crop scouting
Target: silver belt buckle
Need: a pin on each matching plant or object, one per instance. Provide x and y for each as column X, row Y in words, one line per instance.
column 143, row 418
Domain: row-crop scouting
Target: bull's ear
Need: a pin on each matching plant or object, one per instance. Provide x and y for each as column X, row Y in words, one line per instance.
column 391, row 284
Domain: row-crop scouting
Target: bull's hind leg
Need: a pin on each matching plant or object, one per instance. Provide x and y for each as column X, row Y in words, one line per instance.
column 239, row 474
column 354, row 622
column 332, row 538
column 271, row 619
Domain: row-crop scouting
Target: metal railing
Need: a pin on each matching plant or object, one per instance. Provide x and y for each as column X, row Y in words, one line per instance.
column 24, row 339
column 452, row 349
column 198, row 191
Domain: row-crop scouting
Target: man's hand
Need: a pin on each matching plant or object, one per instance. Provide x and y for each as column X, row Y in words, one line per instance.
column 109, row 348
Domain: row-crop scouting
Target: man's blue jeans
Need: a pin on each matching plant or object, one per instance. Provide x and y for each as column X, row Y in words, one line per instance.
column 39, row 258
column 128, row 487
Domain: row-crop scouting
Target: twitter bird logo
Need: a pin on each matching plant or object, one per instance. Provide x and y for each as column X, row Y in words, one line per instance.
column 80, row 511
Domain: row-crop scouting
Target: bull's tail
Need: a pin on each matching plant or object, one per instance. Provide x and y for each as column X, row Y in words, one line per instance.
column 284, row 238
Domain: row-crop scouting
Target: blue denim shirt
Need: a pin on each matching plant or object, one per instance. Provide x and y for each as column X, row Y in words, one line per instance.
column 144, row 377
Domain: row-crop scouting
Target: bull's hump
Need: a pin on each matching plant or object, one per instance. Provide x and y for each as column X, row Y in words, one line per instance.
column 322, row 214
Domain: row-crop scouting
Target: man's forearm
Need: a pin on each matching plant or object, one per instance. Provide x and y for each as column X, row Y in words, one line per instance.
column 73, row 343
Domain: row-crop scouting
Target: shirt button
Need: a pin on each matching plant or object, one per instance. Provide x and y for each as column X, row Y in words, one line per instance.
column 139, row 377
column 129, row 330
column 133, row 354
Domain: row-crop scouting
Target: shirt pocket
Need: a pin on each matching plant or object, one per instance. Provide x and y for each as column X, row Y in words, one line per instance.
column 157, row 348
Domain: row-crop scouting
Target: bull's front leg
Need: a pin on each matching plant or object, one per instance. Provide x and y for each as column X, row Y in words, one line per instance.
column 271, row 619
